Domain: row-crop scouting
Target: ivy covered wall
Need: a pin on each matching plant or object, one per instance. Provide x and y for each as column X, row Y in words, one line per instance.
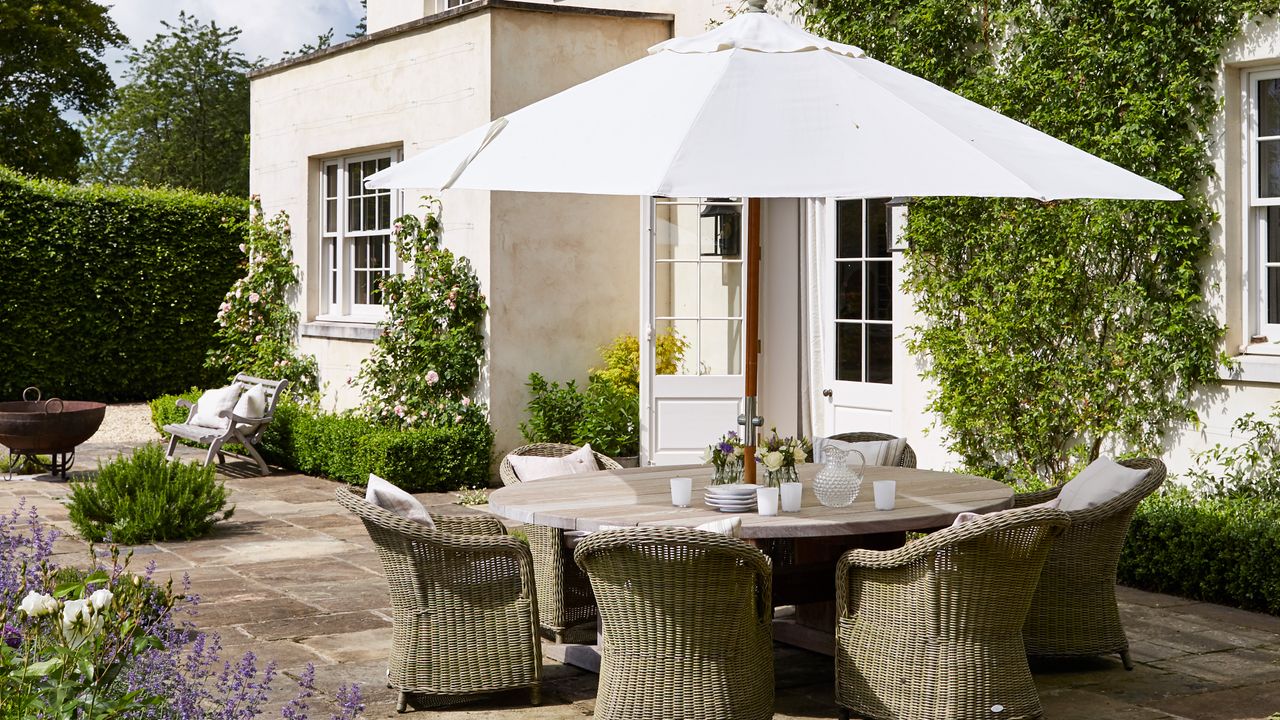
column 1056, row 331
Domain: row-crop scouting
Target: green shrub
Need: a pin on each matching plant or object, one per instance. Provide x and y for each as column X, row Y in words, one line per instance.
column 110, row 293
column 145, row 498
column 1220, row 549
column 610, row 419
column 348, row 447
column 554, row 411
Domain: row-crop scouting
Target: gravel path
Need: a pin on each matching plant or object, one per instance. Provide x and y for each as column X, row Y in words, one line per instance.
column 126, row 423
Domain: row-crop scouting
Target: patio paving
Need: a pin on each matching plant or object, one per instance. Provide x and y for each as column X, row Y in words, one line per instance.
column 294, row 578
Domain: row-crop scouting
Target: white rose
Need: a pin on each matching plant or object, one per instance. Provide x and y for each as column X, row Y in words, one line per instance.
column 737, row 450
column 799, row 454
column 773, row 460
column 79, row 622
column 101, row 599
column 36, row 604
column 76, row 610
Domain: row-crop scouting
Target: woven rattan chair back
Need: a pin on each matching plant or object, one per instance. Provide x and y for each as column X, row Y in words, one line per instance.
column 933, row 629
column 1074, row 612
column 687, row 624
column 463, row 604
column 906, row 459
column 564, row 593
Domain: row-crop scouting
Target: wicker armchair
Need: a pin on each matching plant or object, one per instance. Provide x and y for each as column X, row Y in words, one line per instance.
column 564, row 593
column 687, row 625
column 906, row 459
column 933, row 629
column 465, row 612
column 1074, row 611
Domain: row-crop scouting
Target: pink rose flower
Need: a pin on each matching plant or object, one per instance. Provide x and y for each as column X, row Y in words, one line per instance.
column 254, row 297
column 399, row 410
column 466, row 402
column 432, row 377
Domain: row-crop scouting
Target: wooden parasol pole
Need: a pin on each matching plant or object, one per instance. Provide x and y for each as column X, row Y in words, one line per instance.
column 749, row 419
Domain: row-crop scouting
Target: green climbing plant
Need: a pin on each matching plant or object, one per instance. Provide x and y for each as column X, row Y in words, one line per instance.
column 257, row 327
column 1054, row 331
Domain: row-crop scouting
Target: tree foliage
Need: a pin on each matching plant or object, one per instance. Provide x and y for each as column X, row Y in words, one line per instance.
column 1055, row 330
column 182, row 117
column 49, row 63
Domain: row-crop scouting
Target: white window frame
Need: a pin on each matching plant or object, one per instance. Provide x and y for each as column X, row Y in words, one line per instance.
column 881, row 390
column 337, row 280
column 1256, row 213
column 442, row 5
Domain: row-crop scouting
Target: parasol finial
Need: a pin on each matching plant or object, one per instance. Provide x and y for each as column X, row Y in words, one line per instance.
column 755, row 6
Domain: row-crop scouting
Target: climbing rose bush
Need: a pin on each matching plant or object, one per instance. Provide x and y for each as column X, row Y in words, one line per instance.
column 257, row 328
column 424, row 365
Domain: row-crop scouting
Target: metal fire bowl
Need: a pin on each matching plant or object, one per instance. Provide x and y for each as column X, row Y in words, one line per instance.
column 48, row 426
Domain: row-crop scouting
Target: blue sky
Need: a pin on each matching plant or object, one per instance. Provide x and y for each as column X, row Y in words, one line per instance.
column 269, row 27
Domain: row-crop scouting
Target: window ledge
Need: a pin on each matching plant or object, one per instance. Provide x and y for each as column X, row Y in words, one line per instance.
column 1254, row 368
column 357, row 331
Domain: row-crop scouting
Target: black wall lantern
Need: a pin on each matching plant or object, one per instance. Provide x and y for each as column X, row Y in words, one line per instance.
column 728, row 235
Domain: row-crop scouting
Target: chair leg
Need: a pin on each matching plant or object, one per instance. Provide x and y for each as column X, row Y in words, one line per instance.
column 262, row 464
column 173, row 445
column 402, row 703
column 1124, row 658
column 535, row 695
column 213, row 452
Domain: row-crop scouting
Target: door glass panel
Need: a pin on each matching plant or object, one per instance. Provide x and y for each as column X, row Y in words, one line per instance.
column 678, row 231
column 864, row 291
column 688, row 331
column 721, row 289
column 720, row 347
column 880, row 290
column 849, row 352
column 849, row 290
column 849, row 229
column 879, row 353
column 879, row 232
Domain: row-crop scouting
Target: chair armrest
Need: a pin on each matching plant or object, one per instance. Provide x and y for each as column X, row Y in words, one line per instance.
column 1021, row 500
column 470, row 525
column 183, row 402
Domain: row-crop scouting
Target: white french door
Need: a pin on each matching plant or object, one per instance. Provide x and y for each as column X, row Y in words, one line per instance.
column 857, row 316
column 693, row 289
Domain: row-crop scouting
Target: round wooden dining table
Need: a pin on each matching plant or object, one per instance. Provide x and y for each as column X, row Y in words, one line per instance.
column 814, row 537
column 642, row 496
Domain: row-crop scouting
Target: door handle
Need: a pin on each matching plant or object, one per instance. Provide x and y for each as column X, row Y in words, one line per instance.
column 826, row 393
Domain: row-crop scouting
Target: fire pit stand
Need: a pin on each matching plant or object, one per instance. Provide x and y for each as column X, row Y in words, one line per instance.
column 30, row 428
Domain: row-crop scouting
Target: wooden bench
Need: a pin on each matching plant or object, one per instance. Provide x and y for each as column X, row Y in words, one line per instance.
column 241, row 430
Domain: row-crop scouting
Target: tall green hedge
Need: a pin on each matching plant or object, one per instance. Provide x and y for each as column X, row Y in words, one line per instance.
column 110, row 293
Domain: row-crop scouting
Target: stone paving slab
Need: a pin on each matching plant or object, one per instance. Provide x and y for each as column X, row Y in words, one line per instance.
column 293, row 578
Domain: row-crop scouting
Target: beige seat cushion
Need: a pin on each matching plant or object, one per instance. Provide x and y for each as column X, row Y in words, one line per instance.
column 530, row 468
column 877, row 452
column 1103, row 480
column 966, row 517
column 391, row 498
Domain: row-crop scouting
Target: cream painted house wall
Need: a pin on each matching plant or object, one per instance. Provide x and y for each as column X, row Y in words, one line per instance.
column 561, row 273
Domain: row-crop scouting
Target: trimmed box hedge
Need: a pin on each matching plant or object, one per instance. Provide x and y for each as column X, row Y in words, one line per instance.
column 348, row 448
column 1221, row 550
column 110, row 293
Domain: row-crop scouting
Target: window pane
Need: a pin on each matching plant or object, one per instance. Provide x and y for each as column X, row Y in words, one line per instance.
column 849, row 352
column 1269, row 168
column 375, row 287
column 677, row 232
column 331, row 181
column 1273, row 295
column 880, row 290
column 849, row 229
column 1269, row 107
column 880, row 353
column 361, row 288
column 330, row 216
column 384, row 163
column 376, row 255
column 354, row 178
column 332, row 246
column 721, row 289
column 353, row 214
column 879, row 228
column 1273, row 234
column 849, row 290
column 384, row 211
column 721, row 347
column 370, row 214
column 361, row 252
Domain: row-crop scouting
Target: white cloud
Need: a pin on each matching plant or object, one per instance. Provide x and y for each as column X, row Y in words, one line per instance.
column 269, row 28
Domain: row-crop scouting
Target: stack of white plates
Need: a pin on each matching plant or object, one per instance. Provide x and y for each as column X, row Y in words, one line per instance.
column 738, row 497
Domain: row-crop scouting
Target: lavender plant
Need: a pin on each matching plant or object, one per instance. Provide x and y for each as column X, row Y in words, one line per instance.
column 111, row 643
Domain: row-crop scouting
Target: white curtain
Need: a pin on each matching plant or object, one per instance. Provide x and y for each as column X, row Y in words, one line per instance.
column 813, row 254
